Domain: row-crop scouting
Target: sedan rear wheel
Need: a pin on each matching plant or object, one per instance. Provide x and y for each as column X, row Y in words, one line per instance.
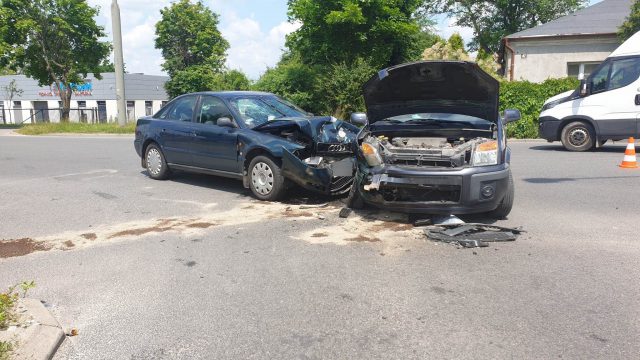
column 265, row 180
column 155, row 163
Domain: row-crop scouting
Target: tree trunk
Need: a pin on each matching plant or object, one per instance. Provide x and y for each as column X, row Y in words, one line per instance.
column 65, row 96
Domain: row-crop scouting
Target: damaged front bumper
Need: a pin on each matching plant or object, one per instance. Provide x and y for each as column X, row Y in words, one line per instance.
column 334, row 179
column 433, row 191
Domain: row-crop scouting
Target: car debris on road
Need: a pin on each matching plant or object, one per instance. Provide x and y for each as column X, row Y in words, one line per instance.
column 472, row 235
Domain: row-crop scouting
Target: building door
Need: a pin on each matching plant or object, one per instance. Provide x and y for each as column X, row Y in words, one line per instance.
column 40, row 111
column 17, row 112
column 102, row 111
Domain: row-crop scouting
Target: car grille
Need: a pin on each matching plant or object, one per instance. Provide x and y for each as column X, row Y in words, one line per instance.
column 341, row 184
column 424, row 193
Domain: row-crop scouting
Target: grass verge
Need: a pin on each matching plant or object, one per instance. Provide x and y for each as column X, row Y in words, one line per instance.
column 76, row 128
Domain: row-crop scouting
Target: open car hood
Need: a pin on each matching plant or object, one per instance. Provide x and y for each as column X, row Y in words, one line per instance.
column 457, row 87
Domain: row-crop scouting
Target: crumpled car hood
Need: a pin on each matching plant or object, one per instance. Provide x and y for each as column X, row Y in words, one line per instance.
column 457, row 87
column 322, row 129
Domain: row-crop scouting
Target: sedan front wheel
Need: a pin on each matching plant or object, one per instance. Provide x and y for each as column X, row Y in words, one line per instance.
column 265, row 180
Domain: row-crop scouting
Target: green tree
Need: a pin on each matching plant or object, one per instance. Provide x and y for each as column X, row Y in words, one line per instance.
column 10, row 90
column 456, row 42
column 492, row 20
column 231, row 80
column 631, row 24
column 342, row 87
column 191, row 44
column 293, row 80
column 52, row 41
column 337, row 31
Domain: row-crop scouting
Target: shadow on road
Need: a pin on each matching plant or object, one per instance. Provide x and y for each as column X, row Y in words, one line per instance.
column 560, row 180
column 617, row 148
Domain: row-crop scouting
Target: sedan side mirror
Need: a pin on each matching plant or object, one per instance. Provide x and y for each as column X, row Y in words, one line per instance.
column 511, row 115
column 225, row 122
column 359, row 118
column 584, row 88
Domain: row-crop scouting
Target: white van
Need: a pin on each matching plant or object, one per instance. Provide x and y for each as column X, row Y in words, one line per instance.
column 606, row 106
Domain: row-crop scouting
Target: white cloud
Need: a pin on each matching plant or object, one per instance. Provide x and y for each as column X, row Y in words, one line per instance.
column 252, row 49
column 448, row 27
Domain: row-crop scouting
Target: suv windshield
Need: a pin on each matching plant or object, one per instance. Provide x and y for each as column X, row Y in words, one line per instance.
column 434, row 117
column 259, row 110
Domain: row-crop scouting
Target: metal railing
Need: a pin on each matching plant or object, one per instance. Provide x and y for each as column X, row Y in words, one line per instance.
column 33, row 116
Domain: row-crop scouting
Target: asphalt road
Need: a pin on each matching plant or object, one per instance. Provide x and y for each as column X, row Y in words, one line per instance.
column 195, row 268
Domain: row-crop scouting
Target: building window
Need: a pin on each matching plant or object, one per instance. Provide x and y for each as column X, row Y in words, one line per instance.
column 82, row 104
column 148, row 108
column 581, row 70
column 131, row 110
column 164, row 103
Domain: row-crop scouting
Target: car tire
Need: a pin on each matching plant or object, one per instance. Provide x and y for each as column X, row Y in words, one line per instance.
column 578, row 136
column 155, row 162
column 505, row 206
column 354, row 200
column 265, row 179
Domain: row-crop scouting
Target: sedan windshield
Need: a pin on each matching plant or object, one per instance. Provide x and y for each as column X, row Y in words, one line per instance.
column 256, row 111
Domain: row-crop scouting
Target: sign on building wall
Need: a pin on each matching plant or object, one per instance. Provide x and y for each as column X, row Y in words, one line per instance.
column 84, row 89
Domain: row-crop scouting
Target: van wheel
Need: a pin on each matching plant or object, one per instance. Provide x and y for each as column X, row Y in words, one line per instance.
column 503, row 210
column 578, row 136
column 265, row 180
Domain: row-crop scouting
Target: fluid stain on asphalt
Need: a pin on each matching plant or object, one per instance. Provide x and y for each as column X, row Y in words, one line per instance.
column 362, row 238
column 201, row 225
column 20, row 247
column 106, row 196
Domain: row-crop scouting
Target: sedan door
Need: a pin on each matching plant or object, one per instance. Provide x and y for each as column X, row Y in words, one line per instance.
column 175, row 131
column 215, row 147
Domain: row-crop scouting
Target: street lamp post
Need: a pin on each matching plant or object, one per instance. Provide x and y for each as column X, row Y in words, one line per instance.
column 119, row 62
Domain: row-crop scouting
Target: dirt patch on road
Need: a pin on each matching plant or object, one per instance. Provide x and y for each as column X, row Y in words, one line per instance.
column 362, row 238
column 20, row 247
column 89, row 236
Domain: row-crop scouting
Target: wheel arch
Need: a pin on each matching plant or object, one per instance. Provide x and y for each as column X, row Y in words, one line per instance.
column 250, row 155
column 145, row 145
column 569, row 119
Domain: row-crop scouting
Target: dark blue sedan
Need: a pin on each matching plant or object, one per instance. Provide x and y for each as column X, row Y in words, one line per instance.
column 256, row 137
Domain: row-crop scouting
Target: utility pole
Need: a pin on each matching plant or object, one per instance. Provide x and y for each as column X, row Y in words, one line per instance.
column 119, row 62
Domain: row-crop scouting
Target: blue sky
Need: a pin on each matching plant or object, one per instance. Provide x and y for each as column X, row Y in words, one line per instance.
column 255, row 29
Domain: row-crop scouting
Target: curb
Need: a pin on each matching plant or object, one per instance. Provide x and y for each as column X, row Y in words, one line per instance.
column 42, row 337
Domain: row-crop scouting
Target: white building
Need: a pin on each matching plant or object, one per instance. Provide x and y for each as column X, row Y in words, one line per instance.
column 572, row 45
column 93, row 101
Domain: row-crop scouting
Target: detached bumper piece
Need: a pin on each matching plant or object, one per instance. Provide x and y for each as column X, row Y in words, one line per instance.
column 334, row 179
column 473, row 235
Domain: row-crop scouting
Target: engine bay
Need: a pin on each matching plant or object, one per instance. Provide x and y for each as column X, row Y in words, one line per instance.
column 424, row 151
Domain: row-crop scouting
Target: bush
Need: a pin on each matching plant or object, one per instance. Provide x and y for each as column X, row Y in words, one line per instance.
column 529, row 97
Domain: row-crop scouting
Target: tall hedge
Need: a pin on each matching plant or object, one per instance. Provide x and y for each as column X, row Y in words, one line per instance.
column 529, row 97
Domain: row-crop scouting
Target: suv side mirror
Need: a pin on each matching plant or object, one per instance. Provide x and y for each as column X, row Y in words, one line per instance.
column 359, row 118
column 584, row 88
column 225, row 122
column 511, row 115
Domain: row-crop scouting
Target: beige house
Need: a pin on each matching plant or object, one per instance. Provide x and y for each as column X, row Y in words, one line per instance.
column 572, row 45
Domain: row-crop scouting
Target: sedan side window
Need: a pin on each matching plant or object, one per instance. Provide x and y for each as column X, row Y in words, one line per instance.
column 182, row 110
column 212, row 109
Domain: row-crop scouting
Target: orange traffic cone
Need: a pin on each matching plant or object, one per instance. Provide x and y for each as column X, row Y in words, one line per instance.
column 629, row 161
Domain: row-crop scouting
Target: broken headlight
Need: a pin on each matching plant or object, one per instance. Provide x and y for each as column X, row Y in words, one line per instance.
column 486, row 154
column 371, row 154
